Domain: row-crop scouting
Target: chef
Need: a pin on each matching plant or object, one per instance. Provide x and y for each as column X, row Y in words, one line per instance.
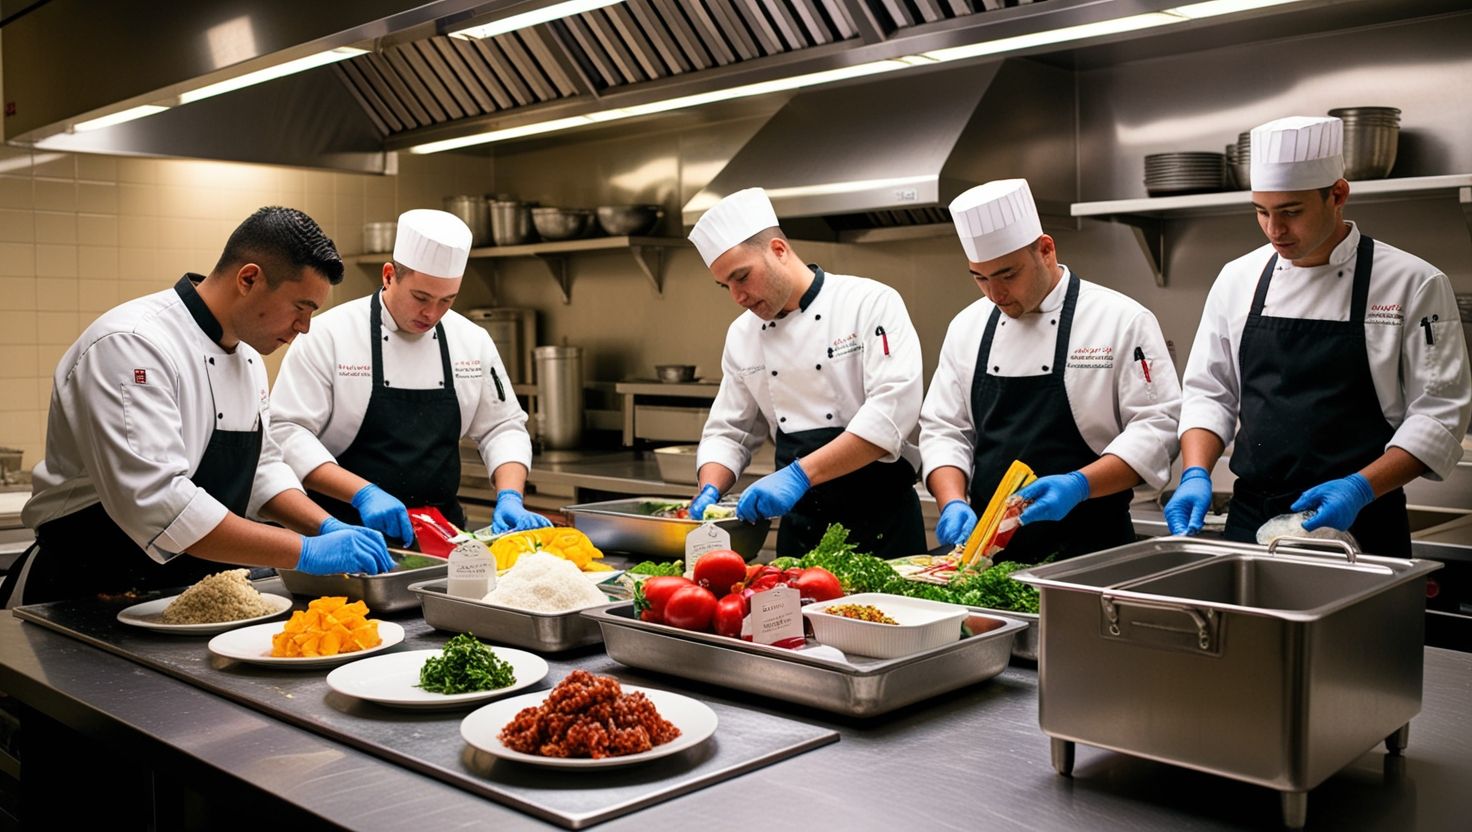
column 371, row 407
column 1067, row 376
column 1336, row 360
column 158, row 444
column 825, row 365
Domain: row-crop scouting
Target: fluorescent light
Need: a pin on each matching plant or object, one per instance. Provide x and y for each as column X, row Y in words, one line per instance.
column 501, row 135
column 331, row 56
column 118, row 118
column 1084, row 30
column 525, row 19
column 1212, row 8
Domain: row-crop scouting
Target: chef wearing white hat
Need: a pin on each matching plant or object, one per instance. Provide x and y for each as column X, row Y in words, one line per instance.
column 1067, row 376
column 372, row 407
column 828, row 367
column 1336, row 361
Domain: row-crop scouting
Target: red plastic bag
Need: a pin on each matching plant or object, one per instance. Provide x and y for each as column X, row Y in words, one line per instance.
column 432, row 532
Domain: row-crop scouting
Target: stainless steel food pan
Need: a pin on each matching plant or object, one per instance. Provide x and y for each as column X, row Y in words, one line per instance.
column 545, row 632
column 1025, row 645
column 860, row 687
column 385, row 592
column 1272, row 667
column 626, row 526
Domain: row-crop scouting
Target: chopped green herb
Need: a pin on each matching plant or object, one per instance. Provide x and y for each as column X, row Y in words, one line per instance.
column 649, row 567
column 404, row 563
column 467, row 665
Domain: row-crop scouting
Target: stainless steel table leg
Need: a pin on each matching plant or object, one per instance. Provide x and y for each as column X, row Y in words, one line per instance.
column 1062, row 756
column 1397, row 742
column 1295, row 809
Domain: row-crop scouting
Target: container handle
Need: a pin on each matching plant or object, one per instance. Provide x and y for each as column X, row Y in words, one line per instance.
column 1349, row 549
column 1205, row 619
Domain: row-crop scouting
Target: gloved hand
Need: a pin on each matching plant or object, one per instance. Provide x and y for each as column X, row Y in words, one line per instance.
column 383, row 512
column 1051, row 498
column 707, row 497
column 345, row 551
column 773, row 495
column 956, row 522
column 511, row 514
column 1186, row 511
column 331, row 524
column 1335, row 503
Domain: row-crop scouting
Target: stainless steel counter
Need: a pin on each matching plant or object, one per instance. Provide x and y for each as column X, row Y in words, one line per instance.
column 970, row 760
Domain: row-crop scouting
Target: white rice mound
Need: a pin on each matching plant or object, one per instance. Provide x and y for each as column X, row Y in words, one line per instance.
column 223, row 596
column 545, row 583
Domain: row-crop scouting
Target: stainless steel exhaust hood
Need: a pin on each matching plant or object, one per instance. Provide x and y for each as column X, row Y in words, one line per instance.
column 896, row 152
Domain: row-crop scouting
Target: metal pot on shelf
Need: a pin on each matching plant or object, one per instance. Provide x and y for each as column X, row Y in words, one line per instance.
column 472, row 211
column 511, row 221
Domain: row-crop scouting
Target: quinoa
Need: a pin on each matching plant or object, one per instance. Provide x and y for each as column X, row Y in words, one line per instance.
column 223, row 596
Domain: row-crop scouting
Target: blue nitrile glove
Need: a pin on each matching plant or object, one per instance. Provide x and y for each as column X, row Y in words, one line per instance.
column 773, row 495
column 332, row 524
column 511, row 514
column 956, row 522
column 1186, row 511
column 1335, row 503
column 345, row 551
column 707, row 497
column 382, row 511
column 1051, row 498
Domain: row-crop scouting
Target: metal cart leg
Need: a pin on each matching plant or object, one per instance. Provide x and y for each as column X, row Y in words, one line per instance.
column 1062, row 756
column 1397, row 742
column 1295, row 809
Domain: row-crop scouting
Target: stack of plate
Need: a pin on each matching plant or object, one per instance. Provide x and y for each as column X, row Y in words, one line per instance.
column 1184, row 173
column 1239, row 160
column 1370, row 138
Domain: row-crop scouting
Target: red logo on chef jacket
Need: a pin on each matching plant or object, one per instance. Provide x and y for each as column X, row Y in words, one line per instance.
column 140, row 376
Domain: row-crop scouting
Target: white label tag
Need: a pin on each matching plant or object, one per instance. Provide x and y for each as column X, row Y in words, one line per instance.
column 472, row 570
column 707, row 537
column 776, row 615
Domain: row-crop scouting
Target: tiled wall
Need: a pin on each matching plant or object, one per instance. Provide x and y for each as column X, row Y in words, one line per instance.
column 80, row 233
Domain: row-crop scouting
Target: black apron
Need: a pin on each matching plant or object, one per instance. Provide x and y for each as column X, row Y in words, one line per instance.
column 409, row 442
column 85, row 553
column 877, row 504
column 1028, row 418
column 1310, row 414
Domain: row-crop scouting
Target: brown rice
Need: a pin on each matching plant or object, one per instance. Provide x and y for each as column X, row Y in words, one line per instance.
column 223, row 596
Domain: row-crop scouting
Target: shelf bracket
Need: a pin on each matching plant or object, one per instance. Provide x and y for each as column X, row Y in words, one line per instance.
column 557, row 267
column 1150, row 236
column 650, row 260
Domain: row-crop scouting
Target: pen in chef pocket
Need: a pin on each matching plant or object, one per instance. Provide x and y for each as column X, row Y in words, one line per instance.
column 1144, row 365
column 879, row 333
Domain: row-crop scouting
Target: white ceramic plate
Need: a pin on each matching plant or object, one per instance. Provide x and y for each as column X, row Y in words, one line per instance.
column 695, row 719
column 252, row 645
column 149, row 615
column 393, row 679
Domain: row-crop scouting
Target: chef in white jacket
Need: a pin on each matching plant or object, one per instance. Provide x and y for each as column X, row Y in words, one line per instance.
column 158, row 444
column 827, row 366
column 372, row 405
column 1335, row 360
column 1067, row 376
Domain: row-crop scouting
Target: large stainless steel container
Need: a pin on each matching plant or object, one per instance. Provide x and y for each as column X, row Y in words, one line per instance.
column 559, row 395
column 473, row 212
column 627, row 526
column 511, row 222
column 384, row 592
column 1275, row 667
column 504, row 327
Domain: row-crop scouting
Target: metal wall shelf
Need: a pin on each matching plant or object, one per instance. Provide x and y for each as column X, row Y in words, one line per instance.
column 648, row 253
column 1149, row 217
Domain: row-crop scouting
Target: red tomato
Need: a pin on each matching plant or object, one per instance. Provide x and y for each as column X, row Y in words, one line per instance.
column 818, row 583
column 720, row 570
column 730, row 612
column 690, row 608
column 651, row 596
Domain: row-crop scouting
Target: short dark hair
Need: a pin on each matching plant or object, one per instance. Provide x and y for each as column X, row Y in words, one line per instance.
column 283, row 241
column 1325, row 191
column 766, row 235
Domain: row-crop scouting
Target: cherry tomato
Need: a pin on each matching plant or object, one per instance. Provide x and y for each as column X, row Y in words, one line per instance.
column 720, row 570
column 690, row 608
column 730, row 613
column 818, row 583
column 651, row 596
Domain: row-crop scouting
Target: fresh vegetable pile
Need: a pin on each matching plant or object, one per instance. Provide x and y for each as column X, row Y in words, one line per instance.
column 466, row 665
column 681, row 510
column 719, row 598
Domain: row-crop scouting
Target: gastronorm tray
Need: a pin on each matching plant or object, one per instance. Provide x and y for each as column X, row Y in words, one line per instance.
column 624, row 526
column 861, row 686
column 385, row 592
column 547, row 632
column 1025, row 645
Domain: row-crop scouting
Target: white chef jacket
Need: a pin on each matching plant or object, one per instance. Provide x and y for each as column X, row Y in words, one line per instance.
column 1116, row 409
column 821, row 366
column 1424, row 389
column 322, row 390
column 133, row 404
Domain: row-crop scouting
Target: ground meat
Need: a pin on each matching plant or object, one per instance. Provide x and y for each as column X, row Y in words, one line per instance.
column 588, row 716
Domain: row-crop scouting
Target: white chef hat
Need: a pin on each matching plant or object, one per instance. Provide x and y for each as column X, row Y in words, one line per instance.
column 732, row 221
column 995, row 219
column 432, row 242
column 1298, row 153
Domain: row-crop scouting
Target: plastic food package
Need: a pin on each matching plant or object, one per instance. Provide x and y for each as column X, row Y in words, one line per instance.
column 1291, row 525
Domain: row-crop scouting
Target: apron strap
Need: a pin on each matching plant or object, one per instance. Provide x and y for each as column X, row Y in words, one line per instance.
column 1364, row 258
column 1065, row 326
column 375, row 338
column 1260, row 296
column 439, row 334
column 984, row 354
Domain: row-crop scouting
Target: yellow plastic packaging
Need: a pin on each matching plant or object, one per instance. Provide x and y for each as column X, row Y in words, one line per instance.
column 566, row 543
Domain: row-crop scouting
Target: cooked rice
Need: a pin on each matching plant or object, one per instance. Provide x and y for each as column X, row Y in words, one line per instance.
column 223, row 596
